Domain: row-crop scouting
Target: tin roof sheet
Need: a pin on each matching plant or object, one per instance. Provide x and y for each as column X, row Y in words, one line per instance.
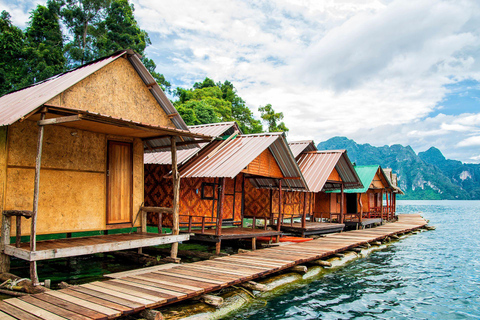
column 236, row 154
column 298, row 147
column 19, row 104
column 317, row 166
column 214, row 130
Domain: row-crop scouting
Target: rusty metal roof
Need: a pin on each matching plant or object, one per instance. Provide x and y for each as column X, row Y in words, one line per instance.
column 216, row 129
column 298, row 147
column 317, row 166
column 213, row 129
column 19, row 104
column 234, row 155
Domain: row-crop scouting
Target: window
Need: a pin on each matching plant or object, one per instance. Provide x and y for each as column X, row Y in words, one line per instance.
column 208, row 191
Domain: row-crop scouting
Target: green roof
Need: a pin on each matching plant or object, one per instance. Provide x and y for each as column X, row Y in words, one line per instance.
column 366, row 175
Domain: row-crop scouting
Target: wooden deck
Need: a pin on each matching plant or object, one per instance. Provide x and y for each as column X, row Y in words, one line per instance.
column 369, row 222
column 313, row 228
column 150, row 287
column 69, row 247
column 232, row 233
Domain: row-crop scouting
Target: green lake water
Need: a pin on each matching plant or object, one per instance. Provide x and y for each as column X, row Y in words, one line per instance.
column 430, row 275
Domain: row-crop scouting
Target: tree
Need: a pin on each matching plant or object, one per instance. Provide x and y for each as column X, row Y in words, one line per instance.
column 43, row 47
column 12, row 60
column 83, row 21
column 272, row 118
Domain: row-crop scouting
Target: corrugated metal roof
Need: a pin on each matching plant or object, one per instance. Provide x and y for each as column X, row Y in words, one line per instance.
column 18, row 104
column 214, row 130
column 237, row 153
column 298, row 147
column 317, row 166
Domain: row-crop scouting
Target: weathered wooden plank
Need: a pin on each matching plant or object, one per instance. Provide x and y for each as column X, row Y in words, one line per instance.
column 106, row 303
column 71, row 306
column 168, row 284
column 135, row 306
column 146, row 302
column 111, row 313
column 141, row 271
column 107, row 285
column 17, row 312
column 131, row 285
column 190, row 277
column 4, row 316
column 53, row 308
column 221, row 270
column 179, row 280
column 39, row 312
column 169, row 289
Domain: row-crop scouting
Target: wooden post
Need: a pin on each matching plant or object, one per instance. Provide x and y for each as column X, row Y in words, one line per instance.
column 190, row 224
column 280, row 215
column 361, row 207
column 254, row 244
column 18, row 234
column 203, row 224
column 36, row 192
column 254, row 222
column 159, row 224
column 381, row 204
column 341, row 204
column 143, row 221
column 271, row 207
column 6, row 221
column 304, row 216
column 243, row 200
column 176, row 195
column 221, row 198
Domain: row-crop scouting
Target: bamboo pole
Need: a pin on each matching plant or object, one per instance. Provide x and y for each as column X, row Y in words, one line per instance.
column 36, row 192
column 176, row 194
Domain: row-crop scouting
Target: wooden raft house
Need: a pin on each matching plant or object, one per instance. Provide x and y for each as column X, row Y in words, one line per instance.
column 323, row 171
column 219, row 184
column 375, row 202
column 71, row 160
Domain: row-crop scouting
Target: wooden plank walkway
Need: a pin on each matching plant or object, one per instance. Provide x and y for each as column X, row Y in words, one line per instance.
column 154, row 287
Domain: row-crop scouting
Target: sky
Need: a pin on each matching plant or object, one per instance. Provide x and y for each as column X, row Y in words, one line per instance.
column 378, row 72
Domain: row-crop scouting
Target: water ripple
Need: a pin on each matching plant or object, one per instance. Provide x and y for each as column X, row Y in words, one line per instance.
column 431, row 275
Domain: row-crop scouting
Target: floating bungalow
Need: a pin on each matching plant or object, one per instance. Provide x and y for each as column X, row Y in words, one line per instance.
column 221, row 183
column 374, row 202
column 71, row 160
column 323, row 171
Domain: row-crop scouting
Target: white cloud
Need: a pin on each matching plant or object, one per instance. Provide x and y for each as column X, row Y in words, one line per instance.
column 372, row 70
column 469, row 142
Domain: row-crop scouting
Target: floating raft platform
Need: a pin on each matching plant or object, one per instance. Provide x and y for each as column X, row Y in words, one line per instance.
column 312, row 228
column 157, row 286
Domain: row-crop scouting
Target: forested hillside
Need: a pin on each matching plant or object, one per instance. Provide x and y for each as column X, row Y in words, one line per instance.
column 97, row 28
column 427, row 175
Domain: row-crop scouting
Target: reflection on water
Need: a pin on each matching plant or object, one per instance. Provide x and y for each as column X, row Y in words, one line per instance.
column 431, row 275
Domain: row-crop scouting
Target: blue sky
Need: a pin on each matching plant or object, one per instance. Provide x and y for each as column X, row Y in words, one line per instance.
column 378, row 72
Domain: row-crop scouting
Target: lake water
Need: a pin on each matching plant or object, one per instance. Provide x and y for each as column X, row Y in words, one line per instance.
column 430, row 275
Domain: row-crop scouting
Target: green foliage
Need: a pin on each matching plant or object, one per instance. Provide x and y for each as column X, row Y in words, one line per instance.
column 271, row 118
column 43, row 48
column 210, row 102
column 84, row 22
column 12, row 60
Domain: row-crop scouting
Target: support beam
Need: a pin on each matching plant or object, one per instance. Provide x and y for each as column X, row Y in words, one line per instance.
column 280, row 215
column 176, row 195
column 6, row 221
column 59, row 120
column 342, row 198
column 36, row 193
column 304, row 216
column 243, row 200
column 221, row 199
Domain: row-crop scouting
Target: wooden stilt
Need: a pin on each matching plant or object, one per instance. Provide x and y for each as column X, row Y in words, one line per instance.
column 243, row 200
column 304, row 216
column 361, row 207
column 190, row 223
column 221, row 199
column 6, row 221
column 36, row 192
column 254, row 244
column 159, row 224
column 218, row 246
column 342, row 213
column 254, row 222
column 203, row 224
column 18, row 234
column 280, row 215
column 176, row 194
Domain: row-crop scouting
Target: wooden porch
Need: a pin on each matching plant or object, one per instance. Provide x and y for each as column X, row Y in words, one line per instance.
column 72, row 247
column 312, row 228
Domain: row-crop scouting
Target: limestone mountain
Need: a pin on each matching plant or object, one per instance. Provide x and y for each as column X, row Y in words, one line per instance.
column 427, row 175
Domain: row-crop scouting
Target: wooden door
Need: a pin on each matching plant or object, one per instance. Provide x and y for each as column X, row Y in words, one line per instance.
column 119, row 182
